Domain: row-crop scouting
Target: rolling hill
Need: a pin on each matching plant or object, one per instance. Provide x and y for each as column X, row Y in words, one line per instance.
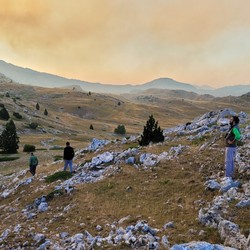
column 35, row 78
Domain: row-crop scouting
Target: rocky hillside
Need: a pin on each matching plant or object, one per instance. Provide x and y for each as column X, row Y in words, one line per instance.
column 171, row 195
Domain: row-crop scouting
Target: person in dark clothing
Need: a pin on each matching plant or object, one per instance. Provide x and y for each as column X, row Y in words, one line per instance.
column 68, row 156
column 232, row 136
column 33, row 162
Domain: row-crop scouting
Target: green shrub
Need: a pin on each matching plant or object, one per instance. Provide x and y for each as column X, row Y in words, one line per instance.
column 200, row 140
column 37, row 106
column 91, row 127
column 58, row 157
column 54, row 194
column 56, row 148
column 17, row 115
column 120, row 130
column 61, row 175
column 33, row 125
column 7, row 158
column 29, row 148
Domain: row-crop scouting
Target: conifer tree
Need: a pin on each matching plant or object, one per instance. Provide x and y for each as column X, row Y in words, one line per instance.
column 151, row 133
column 9, row 139
column 37, row 106
column 91, row 127
column 4, row 114
column 46, row 112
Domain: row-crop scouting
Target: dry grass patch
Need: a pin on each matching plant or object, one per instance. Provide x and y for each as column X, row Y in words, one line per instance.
column 158, row 196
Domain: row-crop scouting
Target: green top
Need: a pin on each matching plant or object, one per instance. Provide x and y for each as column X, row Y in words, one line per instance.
column 236, row 133
column 33, row 160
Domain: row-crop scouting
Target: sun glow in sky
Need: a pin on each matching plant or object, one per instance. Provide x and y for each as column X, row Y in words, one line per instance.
column 130, row 41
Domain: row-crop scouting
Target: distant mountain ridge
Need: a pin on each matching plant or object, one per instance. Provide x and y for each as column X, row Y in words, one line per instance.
column 35, row 78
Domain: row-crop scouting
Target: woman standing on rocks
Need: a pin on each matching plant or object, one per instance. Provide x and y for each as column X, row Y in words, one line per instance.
column 232, row 136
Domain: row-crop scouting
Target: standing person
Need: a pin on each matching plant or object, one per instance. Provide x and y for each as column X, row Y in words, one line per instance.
column 232, row 136
column 68, row 156
column 33, row 163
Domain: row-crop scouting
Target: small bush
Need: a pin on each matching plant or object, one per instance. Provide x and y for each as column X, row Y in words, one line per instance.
column 17, row 115
column 56, row 148
column 46, row 112
column 120, row 130
column 164, row 181
column 41, row 149
column 58, row 157
column 12, row 158
column 61, row 175
column 91, row 127
column 54, row 194
column 33, row 125
column 29, row 148
column 37, row 106
column 199, row 140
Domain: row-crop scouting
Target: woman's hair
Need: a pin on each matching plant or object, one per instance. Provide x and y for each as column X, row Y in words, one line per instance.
column 236, row 119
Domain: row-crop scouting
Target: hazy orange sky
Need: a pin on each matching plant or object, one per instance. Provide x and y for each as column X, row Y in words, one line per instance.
column 130, row 41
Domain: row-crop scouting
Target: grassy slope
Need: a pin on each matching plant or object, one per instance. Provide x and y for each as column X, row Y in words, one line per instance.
column 162, row 194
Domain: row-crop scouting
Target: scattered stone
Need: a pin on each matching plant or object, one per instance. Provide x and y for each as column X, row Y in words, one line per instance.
column 169, row 225
column 97, row 144
column 212, row 185
column 198, row 245
column 228, row 183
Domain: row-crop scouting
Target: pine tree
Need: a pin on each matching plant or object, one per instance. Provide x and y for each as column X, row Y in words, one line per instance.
column 91, row 127
column 4, row 114
column 9, row 139
column 46, row 112
column 151, row 133
column 37, row 106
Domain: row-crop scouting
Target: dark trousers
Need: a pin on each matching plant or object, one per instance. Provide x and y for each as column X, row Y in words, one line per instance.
column 33, row 169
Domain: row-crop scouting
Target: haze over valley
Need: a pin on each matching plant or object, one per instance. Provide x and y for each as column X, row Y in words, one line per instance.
column 34, row 78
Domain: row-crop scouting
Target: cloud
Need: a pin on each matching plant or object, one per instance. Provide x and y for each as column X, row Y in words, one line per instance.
column 127, row 41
